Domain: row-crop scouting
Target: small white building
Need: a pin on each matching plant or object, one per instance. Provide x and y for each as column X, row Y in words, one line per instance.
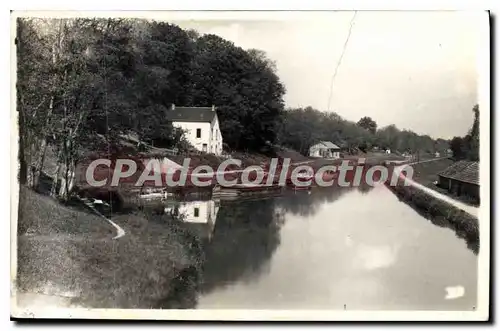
column 201, row 126
column 325, row 149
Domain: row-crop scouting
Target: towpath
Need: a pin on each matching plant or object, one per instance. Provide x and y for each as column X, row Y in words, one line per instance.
column 474, row 211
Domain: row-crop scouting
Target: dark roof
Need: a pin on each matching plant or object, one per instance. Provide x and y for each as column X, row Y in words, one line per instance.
column 191, row 114
column 463, row 171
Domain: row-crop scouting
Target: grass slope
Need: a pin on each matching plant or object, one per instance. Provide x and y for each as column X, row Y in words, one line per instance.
column 67, row 252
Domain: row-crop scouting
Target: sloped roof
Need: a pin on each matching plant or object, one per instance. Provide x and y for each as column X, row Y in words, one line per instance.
column 327, row 144
column 191, row 114
column 463, row 171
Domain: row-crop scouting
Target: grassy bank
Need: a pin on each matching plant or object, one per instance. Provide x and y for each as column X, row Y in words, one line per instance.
column 441, row 213
column 427, row 174
column 43, row 215
column 67, row 252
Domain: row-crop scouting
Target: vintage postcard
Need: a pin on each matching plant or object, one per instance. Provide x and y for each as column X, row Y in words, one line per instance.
column 328, row 165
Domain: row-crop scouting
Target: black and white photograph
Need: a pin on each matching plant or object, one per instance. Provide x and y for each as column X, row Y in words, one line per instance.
column 250, row 165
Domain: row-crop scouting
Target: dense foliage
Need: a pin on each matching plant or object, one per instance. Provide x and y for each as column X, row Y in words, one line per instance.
column 467, row 147
column 303, row 127
column 82, row 83
column 368, row 124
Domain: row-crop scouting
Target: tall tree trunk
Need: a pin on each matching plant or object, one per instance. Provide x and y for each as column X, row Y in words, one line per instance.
column 57, row 47
column 55, row 180
column 55, row 177
column 67, row 183
column 43, row 146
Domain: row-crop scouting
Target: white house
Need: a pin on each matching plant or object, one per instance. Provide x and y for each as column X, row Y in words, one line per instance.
column 201, row 126
column 199, row 216
column 325, row 149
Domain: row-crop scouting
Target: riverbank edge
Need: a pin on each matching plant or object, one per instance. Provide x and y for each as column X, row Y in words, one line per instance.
column 64, row 251
column 426, row 174
column 439, row 212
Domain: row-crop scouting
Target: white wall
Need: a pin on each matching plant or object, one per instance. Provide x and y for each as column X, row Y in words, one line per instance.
column 190, row 133
column 207, row 211
column 316, row 150
column 210, row 135
column 216, row 141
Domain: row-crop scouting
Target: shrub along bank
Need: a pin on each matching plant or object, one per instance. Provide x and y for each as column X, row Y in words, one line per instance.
column 440, row 213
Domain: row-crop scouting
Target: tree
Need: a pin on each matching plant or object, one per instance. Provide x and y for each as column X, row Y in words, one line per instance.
column 303, row 127
column 368, row 124
column 473, row 137
column 468, row 146
column 244, row 86
column 457, row 146
column 83, row 83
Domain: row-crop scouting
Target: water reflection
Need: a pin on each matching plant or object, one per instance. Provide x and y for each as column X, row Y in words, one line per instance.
column 238, row 238
column 331, row 248
column 470, row 236
column 306, row 204
column 245, row 237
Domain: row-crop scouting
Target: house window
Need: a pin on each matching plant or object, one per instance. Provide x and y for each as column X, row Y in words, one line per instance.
column 196, row 212
column 198, row 133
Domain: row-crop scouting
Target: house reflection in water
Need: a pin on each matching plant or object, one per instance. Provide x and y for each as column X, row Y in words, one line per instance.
column 198, row 216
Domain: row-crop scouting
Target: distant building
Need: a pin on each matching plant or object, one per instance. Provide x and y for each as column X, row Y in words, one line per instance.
column 325, row 149
column 461, row 178
column 437, row 154
column 388, row 151
column 201, row 125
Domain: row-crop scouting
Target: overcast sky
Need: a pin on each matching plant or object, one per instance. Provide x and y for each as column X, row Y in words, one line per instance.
column 414, row 69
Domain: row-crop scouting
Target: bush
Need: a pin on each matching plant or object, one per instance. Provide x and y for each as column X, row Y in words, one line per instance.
column 440, row 213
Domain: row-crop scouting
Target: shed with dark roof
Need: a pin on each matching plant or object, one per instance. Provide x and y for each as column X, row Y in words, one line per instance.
column 461, row 178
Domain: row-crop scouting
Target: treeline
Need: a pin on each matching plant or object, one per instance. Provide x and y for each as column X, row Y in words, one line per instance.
column 467, row 147
column 82, row 83
column 303, row 127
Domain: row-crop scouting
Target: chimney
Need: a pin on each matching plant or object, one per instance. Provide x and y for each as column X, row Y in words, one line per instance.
column 172, row 107
column 213, row 107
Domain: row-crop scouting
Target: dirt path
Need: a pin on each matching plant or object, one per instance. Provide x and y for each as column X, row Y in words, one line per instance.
column 474, row 211
column 119, row 231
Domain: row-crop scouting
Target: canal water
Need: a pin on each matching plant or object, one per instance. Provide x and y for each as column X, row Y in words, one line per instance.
column 338, row 249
